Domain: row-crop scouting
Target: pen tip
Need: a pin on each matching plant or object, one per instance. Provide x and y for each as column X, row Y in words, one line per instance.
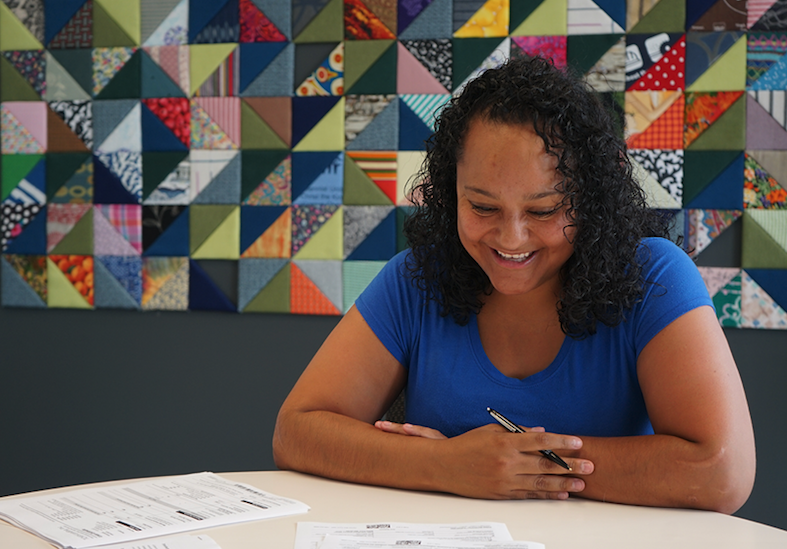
column 488, row 409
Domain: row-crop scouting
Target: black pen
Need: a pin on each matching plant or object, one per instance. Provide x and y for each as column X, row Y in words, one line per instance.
column 514, row 428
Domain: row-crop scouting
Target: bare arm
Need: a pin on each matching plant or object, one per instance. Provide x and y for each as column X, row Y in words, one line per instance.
column 702, row 455
column 325, row 427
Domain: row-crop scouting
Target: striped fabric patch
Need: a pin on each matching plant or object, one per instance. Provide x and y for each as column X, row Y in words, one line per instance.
column 426, row 106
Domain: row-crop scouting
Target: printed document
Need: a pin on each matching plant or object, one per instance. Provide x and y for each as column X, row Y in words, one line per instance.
column 341, row 542
column 91, row 517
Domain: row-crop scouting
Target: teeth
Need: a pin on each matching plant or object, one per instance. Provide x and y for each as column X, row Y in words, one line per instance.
column 514, row 257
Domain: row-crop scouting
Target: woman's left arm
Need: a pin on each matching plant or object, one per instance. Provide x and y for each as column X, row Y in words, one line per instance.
column 702, row 454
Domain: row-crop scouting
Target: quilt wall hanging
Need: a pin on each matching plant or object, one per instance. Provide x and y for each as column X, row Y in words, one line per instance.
column 154, row 149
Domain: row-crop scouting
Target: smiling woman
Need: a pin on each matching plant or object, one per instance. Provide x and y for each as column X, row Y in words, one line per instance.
column 538, row 284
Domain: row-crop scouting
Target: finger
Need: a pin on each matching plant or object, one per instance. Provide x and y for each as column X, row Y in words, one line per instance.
column 390, row 427
column 551, row 484
column 420, row 431
column 534, row 440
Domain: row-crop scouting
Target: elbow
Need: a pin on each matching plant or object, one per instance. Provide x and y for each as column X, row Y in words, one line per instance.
column 730, row 479
column 281, row 455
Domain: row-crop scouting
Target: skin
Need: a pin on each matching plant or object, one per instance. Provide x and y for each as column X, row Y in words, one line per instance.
column 701, row 456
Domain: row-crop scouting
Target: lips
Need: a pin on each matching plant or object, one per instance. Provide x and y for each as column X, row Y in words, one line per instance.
column 514, row 257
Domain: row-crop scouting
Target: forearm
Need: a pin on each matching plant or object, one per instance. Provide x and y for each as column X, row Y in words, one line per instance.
column 668, row 471
column 335, row 446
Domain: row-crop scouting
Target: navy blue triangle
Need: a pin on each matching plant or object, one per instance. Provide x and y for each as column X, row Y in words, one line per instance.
column 32, row 241
column 255, row 220
column 58, row 14
column 380, row 245
column 200, row 14
column 204, row 295
column 156, row 82
column 723, row 193
column 174, row 241
column 222, row 28
column 696, row 9
column 37, row 176
column 15, row 290
column 616, row 9
column 156, row 136
column 107, row 188
column 306, row 167
column 255, row 58
column 412, row 130
column 774, row 282
column 306, row 112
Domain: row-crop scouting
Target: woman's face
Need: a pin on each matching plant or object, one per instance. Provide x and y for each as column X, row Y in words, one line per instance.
column 510, row 218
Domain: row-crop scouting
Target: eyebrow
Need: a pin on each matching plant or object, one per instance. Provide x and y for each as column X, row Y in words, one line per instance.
column 535, row 196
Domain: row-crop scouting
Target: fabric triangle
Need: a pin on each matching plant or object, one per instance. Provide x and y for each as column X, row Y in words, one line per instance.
column 256, row 167
column 15, row 168
column 758, row 309
column 469, row 54
column 254, row 275
column 107, row 239
column 773, row 282
column 773, row 162
column 62, row 167
column 223, row 27
column 156, row 136
column 728, row 132
column 362, row 23
column 433, row 21
column 255, row 133
column 359, row 189
column 61, row 85
column 157, row 167
column 274, row 297
column 755, row 11
column 155, row 81
column 225, row 112
column 371, row 73
column 225, row 188
column 109, row 292
column 306, row 298
column 204, row 220
column 15, row 86
column 275, row 240
column 166, row 288
column 201, row 12
column 426, row 107
column 108, row 188
column 31, row 65
column 255, row 58
column 30, row 121
column 326, row 276
column 380, row 167
column 306, row 221
column 356, row 275
column 665, row 16
column 588, row 17
column 160, row 16
column 728, row 72
column 276, row 112
column 361, row 224
column 656, row 195
column 256, row 221
column 413, row 77
column 255, row 26
column 327, row 134
column 126, row 136
column 705, row 226
column 79, row 240
column 695, row 9
column 771, row 20
column 326, row 26
column 32, row 239
column 69, row 24
column 61, row 292
column 13, row 33
column 762, row 131
column 317, row 178
column 77, row 63
column 107, row 31
column 584, row 51
column 327, row 242
column 126, row 15
column 126, row 82
column 413, row 132
column 665, row 133
column 16, row 292
column 764, row 240
column 204, row 59
column 548, row 19
column 204, row 294
column 491, row 19
column 174, row 241
column 761, row 189
column 727, row 299
column 279, row 13
column 381, row 133
column 206, row 133
column 276, row 79
column 60, row 136
column 712, row 180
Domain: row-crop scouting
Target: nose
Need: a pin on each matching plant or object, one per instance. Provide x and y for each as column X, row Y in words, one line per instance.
column 514, row 232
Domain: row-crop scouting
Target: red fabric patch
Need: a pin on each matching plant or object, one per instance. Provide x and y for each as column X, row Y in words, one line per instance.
column 255, row 27
column 175, row 112
column 668, row 73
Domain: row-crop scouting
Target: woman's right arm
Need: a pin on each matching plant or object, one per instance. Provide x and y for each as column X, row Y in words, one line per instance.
column 325, row 427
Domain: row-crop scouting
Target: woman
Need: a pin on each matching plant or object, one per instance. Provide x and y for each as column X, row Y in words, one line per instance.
column 540, row 285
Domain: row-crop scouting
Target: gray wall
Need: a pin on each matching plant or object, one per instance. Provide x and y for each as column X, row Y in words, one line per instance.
column 96, row 395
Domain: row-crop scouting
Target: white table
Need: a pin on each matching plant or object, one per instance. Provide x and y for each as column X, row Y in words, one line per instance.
column 572, row 524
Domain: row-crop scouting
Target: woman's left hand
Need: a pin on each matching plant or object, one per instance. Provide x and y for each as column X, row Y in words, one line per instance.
column 409, row 429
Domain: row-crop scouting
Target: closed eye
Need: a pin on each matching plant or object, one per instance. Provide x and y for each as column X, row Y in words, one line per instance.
column 482, row 209
column 544, row 213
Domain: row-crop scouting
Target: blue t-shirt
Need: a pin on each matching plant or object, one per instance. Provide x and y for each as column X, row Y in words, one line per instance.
column 590, row 389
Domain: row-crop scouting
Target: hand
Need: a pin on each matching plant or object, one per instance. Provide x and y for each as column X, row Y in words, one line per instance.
column 490, row 462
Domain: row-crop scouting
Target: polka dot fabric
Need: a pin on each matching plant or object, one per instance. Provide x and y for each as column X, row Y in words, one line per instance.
column 668, row 73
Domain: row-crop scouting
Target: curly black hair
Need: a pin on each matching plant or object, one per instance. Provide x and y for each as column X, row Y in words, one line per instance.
column 602, row 279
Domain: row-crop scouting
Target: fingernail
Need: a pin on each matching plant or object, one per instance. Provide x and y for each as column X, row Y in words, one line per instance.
column 585, row 467
column 576, row 443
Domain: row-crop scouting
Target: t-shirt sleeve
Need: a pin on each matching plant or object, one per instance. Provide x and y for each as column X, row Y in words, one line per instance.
column 390, row 305
column 673, row 287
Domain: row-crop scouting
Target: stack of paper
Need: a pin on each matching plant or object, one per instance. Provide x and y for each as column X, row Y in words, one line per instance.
column 91, row 517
